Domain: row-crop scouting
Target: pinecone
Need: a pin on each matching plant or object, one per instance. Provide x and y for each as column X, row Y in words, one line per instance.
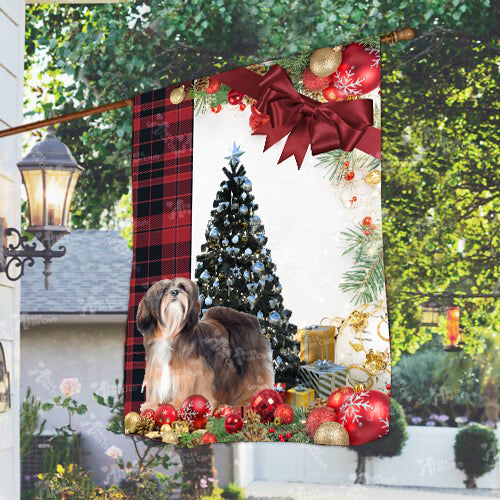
column 257, row 68
column 317, row 96
column 195, row 442
column 144, row 425
column 201, row 84
column 251, row 417
column 315, row 404
column 255, row 432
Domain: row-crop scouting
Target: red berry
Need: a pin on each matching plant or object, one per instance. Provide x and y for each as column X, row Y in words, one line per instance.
column 313, row 82
column 389, row 393
column 243, row 106
column 271, row 429
column 367, row 232
column 373, row 226
column 346, row 163
column 354, row 198
column 367, row 221
column 349, row 176
column 216, row 109
column 388, row 387
column 288, row 435
column 281, row 436
column 213, row 86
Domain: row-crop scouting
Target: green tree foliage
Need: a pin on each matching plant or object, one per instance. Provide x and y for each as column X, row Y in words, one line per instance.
column 440, row 183
column 438, row 102
column 476, row 452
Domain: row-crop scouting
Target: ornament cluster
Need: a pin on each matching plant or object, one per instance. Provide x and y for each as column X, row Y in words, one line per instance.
column 343, row 74
column 348, row 417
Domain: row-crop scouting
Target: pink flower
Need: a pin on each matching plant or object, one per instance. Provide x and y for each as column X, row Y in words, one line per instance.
column 70, row 386
column 203, row 483
column 114, row 452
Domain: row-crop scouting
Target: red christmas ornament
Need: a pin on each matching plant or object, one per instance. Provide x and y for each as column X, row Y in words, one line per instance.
column 257, row 121
column 271, row 430
column 208, row 438
column 165, row 414
column 243, row 106
column 367, row 232
column 388, row 387
column 332, row 93
column 317, row 417
column 313, row 82
column 285, row 412
column 264, row 403
column 149, row 413
column 367, row 221
column 195, row 411
column 338, row 397
column 365, row 416
column 216, row 109
column 234, row 97
column 349, row 176
column 389, row 394
column 213, row 86
column 222, row 411
column 359, row 72
column 233, row 423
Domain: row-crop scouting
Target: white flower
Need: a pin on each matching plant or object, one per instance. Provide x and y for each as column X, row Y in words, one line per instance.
column 70, row 386
column 114, row 452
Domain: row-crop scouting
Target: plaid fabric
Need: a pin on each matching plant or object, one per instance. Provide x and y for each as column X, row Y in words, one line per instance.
column 162, row 171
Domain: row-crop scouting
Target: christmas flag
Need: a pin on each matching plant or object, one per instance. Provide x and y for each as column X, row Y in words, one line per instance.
column 256, row 204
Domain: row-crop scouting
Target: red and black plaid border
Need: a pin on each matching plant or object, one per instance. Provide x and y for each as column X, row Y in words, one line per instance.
column 162, row 172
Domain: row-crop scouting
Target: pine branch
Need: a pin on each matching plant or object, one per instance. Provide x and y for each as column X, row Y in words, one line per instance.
column 204, row 102
column 371, row 41
column 295, row 65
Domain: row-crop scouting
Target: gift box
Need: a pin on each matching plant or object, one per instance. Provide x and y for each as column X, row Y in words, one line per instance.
column 323, row 376
column 299, row 396
column 317, row 342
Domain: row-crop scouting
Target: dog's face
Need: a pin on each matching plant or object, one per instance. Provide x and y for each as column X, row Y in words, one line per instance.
column 168, row 307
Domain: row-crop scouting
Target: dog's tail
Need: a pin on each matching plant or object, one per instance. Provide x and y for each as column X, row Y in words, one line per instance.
column 244, row 336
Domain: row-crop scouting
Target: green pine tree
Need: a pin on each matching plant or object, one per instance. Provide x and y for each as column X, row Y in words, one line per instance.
column 235, row 268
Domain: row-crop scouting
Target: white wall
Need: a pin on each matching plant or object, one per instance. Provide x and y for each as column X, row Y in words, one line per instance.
column 427, row 460
column 11, row 88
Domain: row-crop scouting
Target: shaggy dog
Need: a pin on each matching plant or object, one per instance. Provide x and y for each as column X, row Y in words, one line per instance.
column 224, row 357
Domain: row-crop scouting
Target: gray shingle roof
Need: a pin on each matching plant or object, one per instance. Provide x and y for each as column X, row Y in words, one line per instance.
column 93, row 277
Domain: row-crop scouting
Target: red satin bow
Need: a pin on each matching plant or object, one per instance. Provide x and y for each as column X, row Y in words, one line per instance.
column 324, row 126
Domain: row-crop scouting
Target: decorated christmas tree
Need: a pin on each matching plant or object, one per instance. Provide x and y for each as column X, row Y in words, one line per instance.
column 235, row 268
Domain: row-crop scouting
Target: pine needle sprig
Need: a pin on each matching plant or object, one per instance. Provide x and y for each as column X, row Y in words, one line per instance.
column 204, row 102
column 370, row 41
column 366, row 278
column 295, row 65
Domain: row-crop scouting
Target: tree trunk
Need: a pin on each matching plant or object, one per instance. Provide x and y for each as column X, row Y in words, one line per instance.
column 470, row 482
column 197, row 463
column 361, row 470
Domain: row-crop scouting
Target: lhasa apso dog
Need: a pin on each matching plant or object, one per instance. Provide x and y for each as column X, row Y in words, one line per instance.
column 224, row 356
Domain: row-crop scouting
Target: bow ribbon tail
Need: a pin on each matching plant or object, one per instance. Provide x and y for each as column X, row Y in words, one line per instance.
column 297, row 142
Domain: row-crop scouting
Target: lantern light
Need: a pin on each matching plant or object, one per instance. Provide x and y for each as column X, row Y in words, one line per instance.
column 429, row 313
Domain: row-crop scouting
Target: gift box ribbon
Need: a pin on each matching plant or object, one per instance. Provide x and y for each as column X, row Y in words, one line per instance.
column 323, row 126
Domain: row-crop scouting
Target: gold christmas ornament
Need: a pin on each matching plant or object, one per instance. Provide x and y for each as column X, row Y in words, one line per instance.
column 180, row 427
column 199, row 432
column 331, row 433
column 170, row 437
column 325, row 61
column 358, row 320
column 153, row 435
column 277, row 421
column 257, row 68
column 359, row 388
column 131, row 420
column 165, row 428
column 375, row 362
column 249, row 101
column 373, row 177
column 177, row 95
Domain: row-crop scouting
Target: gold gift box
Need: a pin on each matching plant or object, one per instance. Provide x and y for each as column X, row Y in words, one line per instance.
column 317, row 342
column 299, row 396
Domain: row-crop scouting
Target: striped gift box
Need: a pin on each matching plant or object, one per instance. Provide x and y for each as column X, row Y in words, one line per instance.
column 323, row 376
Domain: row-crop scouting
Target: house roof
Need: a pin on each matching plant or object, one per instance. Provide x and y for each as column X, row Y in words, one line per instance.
column 92, row 278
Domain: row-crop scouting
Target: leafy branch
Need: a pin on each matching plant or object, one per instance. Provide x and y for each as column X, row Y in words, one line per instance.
column 366, row 278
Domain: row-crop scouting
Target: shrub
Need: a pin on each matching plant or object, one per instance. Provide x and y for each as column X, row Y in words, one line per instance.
column 476, row 452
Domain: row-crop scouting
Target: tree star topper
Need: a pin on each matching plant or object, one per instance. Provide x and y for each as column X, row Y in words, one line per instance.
column 234, row 154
